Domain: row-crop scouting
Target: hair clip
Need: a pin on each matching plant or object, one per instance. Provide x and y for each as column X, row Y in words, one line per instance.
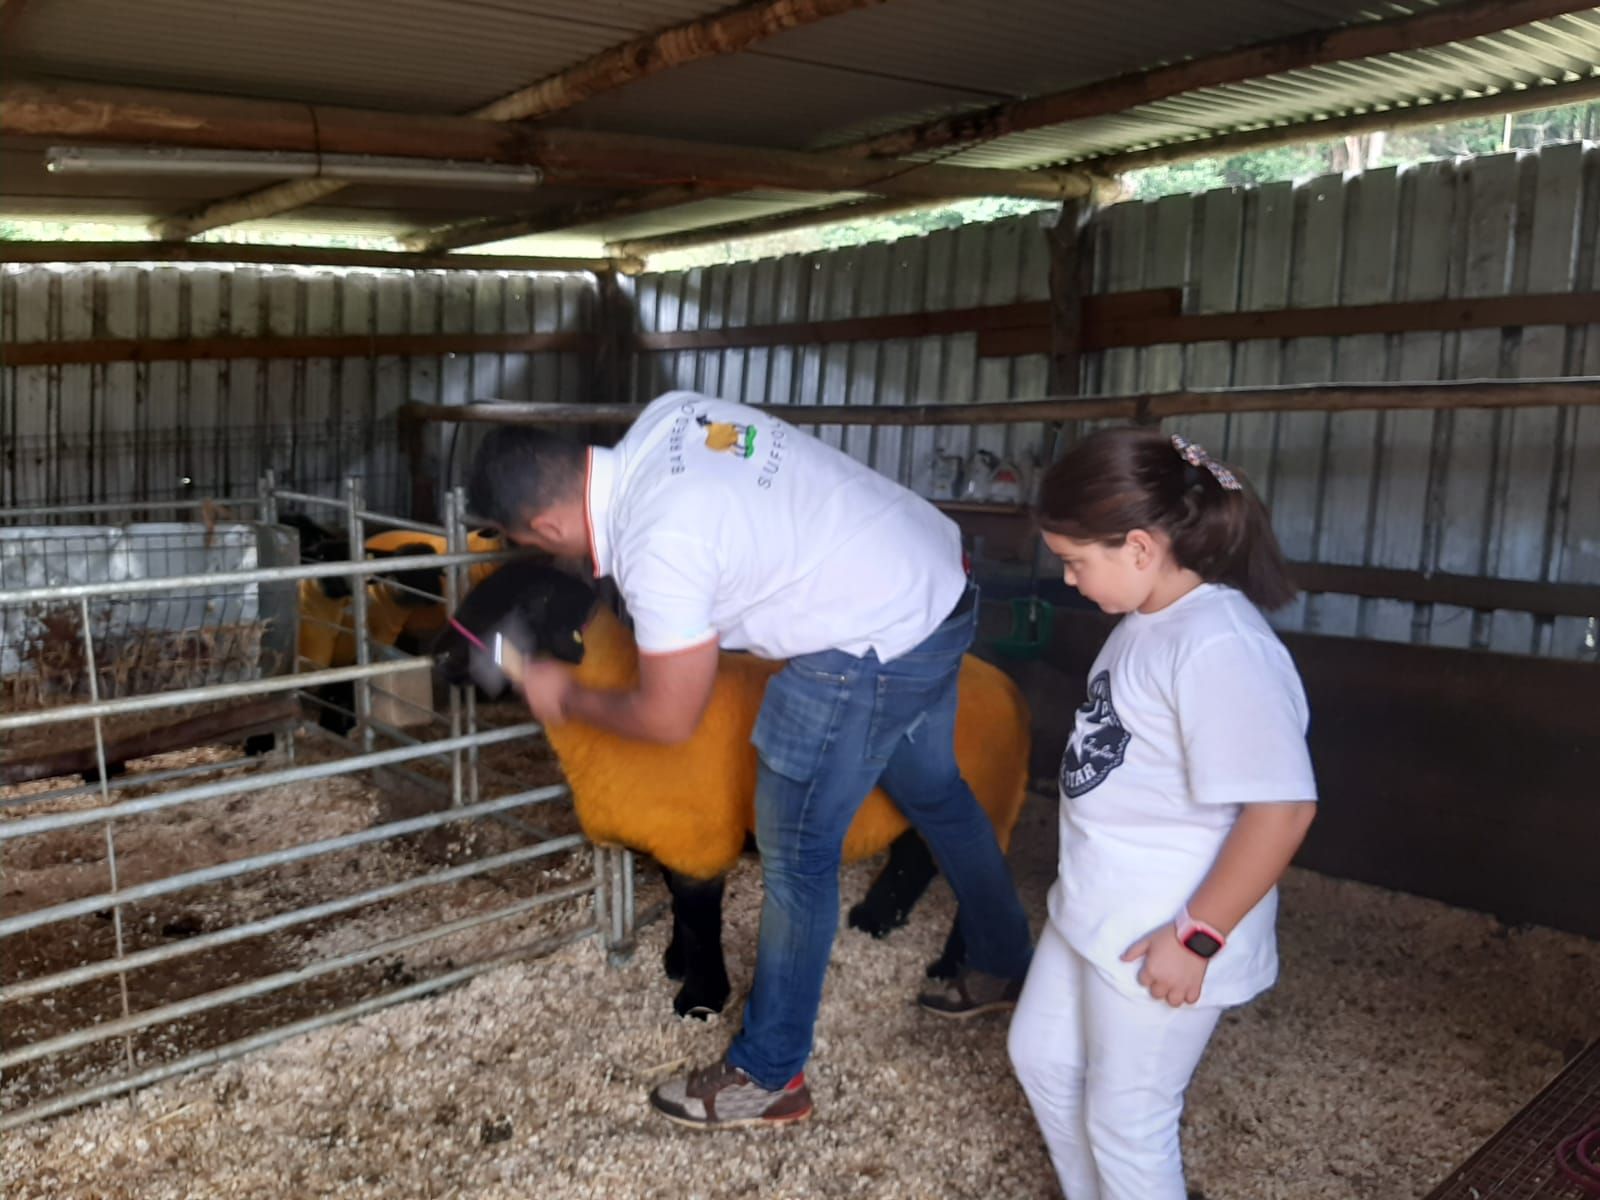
column 1195, row 455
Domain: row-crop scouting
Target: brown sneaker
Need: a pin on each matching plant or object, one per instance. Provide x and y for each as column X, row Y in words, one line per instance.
column 724, row 1097
column 970, row 994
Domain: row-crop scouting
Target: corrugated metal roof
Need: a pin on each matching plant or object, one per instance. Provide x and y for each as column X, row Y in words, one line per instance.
column 405, row 55
column 1018, row 49
column 1564, row 49
column 865, row 72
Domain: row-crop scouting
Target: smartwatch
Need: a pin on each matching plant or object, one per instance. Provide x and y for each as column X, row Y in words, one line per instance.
column 1196, row 936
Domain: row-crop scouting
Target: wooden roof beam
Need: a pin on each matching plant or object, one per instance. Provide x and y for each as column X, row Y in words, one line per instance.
column 630, row 252
column 90, row 113
column 1433, row 27
column 287, row 256
column 484, row 230
column 638, row 58
column 1475, row 18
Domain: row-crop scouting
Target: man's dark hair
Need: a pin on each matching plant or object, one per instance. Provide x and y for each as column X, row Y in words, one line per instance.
column 519, row 472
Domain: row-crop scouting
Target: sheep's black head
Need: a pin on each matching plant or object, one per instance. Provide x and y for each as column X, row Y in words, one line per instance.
column 421, row 587
column 539, row 609
column 320, row 545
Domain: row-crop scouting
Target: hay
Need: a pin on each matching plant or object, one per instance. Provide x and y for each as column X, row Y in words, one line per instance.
column 129, row 660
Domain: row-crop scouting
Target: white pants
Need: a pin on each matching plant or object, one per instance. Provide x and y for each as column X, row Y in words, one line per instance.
column 1105, row 1073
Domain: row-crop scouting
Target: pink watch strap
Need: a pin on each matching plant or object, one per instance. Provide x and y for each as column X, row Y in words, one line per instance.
column 1186, row 924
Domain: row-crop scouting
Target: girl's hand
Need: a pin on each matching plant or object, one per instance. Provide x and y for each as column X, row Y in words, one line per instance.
column 1171, row 972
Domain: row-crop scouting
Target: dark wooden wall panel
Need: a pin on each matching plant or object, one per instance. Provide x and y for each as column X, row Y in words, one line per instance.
column 1469, row 777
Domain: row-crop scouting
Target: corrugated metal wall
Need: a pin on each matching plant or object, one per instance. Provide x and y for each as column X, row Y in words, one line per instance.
column 1000, row 263
column 1514, row 494
column 1511, row 494
column 124, row 430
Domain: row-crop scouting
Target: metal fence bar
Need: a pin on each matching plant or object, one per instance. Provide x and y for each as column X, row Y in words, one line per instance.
column 294, row 497
column 602, row 894
column 87, row 628
column 231, row 778
column 166, row 1013
column 142, row 779
column 288, row 920
column 619, row 875
column 276, row 858
column 267, row 504
column 230, row 787
column 375, row 518
column 272, row 1037
column 452, row 596
column 223, row 579
column 433, row 785
column 214, row 691
column 358, row 613
column 405, row 589
column 51, row 510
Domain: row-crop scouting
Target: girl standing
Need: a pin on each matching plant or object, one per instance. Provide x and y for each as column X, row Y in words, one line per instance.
column 1186, row 789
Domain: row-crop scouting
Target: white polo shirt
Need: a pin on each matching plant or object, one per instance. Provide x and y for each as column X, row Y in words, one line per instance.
column 1193, row 712
column 718, row 521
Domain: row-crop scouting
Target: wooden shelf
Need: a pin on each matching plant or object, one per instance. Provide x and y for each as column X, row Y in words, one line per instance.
column 977, row 506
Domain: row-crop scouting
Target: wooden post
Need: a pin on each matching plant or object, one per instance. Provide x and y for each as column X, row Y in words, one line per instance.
column 1071, row 242
column 419, row 465
column 611, row 359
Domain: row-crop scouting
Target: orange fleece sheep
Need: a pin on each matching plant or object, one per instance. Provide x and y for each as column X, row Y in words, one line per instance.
column 691, row 805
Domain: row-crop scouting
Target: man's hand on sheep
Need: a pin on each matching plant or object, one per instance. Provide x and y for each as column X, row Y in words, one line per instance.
column 547, row 687
column 665, row 706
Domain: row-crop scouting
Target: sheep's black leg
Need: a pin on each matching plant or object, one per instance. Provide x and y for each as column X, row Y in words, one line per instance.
column 113, row 769
column 694, row 955
column 898, row 887
column 260, row 743
column 948, row 965
column 344, row 696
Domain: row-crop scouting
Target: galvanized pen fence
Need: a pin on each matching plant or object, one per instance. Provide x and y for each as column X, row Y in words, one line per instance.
column 165, row 913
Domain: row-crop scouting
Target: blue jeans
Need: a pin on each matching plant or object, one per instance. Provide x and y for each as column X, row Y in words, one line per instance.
column 831, row 728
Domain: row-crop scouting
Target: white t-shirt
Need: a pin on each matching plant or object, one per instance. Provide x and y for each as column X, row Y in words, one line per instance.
column 720, row 521
column 1192, row 712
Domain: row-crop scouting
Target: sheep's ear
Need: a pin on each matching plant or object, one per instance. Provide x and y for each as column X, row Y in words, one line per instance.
column 423, row 579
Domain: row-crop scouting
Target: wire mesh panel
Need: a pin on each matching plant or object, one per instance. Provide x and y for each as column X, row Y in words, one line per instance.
column 145, row 643
column 1524, row 1160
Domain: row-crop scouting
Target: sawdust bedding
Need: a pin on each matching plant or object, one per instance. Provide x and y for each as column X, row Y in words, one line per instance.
column 63, row 865
column 1402, row 1034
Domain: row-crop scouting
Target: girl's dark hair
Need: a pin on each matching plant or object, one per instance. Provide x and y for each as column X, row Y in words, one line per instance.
column 1122, row 479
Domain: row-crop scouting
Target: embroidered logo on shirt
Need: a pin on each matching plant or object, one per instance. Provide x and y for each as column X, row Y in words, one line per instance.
column 1098, row 741
column 738, row 440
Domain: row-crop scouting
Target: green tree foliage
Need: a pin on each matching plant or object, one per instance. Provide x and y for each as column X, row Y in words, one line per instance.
column 1458, row 139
